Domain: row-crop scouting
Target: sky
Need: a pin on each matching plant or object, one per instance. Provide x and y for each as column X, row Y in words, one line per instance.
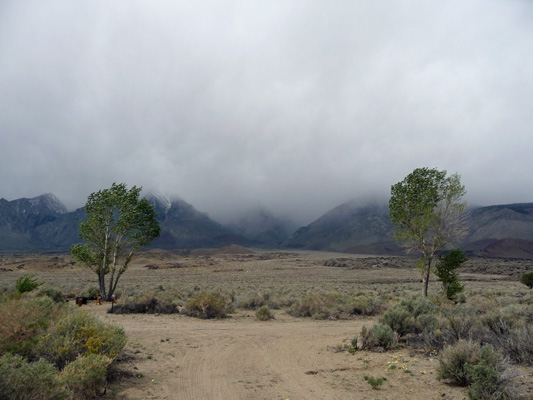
column 295, row 106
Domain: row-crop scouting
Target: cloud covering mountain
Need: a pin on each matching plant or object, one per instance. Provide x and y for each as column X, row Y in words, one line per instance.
column 296, row 106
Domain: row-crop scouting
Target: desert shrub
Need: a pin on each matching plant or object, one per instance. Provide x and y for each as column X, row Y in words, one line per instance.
column 264, row 314
column 32, row 381
column 445, row 270
column 27, row 283
column 413, row 315
column 318, row 306
column 78, row 333
column 457, row 362
column 365, row 305
column 23, row 322
column 91, row 292
column 379, row 337
column 207, row 305
column 459, row 323
column 146, row 306
column 375, row 382
column 252, row 303
column 85, row 376
column 527, row 279
column 53, row 293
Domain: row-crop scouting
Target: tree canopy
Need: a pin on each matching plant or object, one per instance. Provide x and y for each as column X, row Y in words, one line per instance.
column 118, row 223
column 428, row 214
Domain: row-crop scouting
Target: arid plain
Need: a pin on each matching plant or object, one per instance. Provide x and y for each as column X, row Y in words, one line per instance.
column 239, row 357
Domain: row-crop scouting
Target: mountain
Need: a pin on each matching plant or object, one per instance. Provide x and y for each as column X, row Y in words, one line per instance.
column 261, row 226
column 494, row 231
column 44, row 224
column 349, row 228
column 183, row 226
column 38, row 224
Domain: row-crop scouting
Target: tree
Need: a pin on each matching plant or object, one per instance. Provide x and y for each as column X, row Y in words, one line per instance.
column 117, row 225
column 446, row 271
column 527, row 279
column 428, row 214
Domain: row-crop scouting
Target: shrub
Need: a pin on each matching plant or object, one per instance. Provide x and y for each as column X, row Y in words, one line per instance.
column 53, row 293
column 78, row 333
column 91, row 292
column 147, row 306
column 317, row 306
column 527, row 279
column 459, row 323
column 467, row 364
column 207, row 305
column 413, row 315
column 22, row 380
column 445, row 270
column 375, row 382
column 380, row 337
column 85, row 376
column 27, row 283
column 23, row 321
column 264, row 314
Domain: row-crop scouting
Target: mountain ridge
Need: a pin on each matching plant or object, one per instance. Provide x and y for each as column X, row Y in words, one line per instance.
column 44, row 224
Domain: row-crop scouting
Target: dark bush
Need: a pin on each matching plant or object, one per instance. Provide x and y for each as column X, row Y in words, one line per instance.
column 446, row 271
column 147, row 306
column 527, row 279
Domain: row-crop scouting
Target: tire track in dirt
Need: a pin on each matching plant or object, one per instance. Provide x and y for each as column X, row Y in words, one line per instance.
column 236, row 358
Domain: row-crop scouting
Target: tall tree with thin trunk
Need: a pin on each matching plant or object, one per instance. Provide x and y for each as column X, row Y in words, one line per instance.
column 428, row 214
column 118, row 224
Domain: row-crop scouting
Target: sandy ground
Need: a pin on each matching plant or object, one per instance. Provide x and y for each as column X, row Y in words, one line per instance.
column 178, row 357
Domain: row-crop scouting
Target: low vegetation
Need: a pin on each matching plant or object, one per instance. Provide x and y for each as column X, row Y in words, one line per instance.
column 49, row 350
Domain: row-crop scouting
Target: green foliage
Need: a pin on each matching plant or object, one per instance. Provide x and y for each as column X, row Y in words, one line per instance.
column 455, row 361
column 207, row 305
column 413, row 315
column 23, row 321
column 264, row 314
column 527, row 279
column 427, row 213
column 55, row 294
column 375, row 382
column 27, row 283
column 33, row 381
column 78, row 333
column 117, row 225
column 91, row 292
column 378, row 337
column 446, row 271
column 84, row 377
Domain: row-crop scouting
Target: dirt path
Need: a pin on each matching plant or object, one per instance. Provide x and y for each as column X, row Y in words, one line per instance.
column 184, row 358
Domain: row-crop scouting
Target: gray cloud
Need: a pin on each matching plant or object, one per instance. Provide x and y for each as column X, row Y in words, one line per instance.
column 296, row 105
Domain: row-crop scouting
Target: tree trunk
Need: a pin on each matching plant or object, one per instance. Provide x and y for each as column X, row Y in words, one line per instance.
column 425, row 278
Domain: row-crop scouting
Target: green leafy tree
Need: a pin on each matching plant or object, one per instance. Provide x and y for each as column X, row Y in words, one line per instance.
column 527, row 279
column 446, row 271
column 428, row 214
column 118, row 223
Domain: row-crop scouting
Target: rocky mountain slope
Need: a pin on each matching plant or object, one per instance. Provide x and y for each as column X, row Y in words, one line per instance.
column 44, row 224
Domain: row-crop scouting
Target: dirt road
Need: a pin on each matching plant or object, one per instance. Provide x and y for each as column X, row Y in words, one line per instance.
column 177, row 357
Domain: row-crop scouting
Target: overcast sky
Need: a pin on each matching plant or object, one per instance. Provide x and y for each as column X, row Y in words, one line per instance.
column 295, row 105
